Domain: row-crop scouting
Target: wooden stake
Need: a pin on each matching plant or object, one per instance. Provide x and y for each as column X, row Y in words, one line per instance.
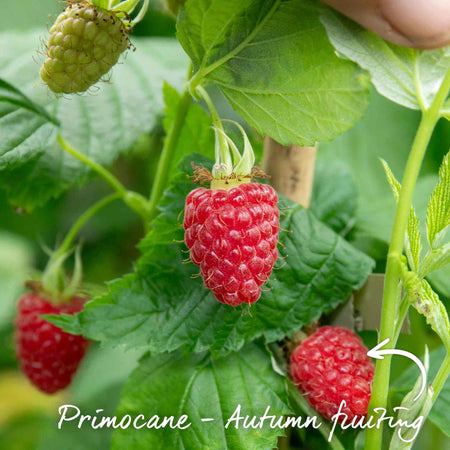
column 291, row 169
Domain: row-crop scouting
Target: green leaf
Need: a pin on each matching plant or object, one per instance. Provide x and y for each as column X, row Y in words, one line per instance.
column 101, row 125
column 334, row 194
column 413, row 244
column 142, row 309
column 428, row 304
column 200, row 387
column 441, row 410
column 273, row 62
column 393, row 182
column 413, row 408
column 406, row 76
column 10, row 94
column 438, row 212
column 436, row 259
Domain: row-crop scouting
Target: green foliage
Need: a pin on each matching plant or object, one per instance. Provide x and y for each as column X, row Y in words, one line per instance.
column 141, row 309
column 334, row 195
column 101, row 125
column 406, row 76
column 438, row 212
column 441, row 409
column 12, row 95
column 427, row 303
column 413, row 244
column 386, row 131
column 273, row 62
column 200, row 387
column 412, row 407
column 435, row 259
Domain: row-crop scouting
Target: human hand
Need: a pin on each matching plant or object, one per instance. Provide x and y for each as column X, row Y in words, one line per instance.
column 422, row 24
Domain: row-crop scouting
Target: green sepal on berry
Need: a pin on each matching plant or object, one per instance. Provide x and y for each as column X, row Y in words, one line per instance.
column 85, row 42
column 55, row 284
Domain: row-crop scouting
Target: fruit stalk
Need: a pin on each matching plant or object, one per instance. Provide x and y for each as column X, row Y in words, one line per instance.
column 390, row 306
column 85, row 217
column 53, row 280
column 162, row 172
column 134, row 200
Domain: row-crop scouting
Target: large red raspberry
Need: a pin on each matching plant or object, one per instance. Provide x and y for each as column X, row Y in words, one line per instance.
column 232, row 235
column 331, row 366
column 47, row 355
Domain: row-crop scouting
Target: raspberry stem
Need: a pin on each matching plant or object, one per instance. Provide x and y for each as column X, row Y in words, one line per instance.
column 85, row 217
column 133, row 200
column 53, row 280
column 390, row 309
column 222, row 157
column 162, row 172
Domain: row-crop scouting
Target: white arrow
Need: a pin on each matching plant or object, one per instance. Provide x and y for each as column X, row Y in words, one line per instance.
column 378, row 354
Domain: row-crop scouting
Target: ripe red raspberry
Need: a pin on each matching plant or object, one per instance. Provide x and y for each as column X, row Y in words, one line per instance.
column 232, row 235
column 47, row 355
column 330, row 366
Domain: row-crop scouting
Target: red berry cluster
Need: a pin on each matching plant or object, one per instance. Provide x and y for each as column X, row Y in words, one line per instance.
column 331, row 366
column 47, row 355
column 232, row 235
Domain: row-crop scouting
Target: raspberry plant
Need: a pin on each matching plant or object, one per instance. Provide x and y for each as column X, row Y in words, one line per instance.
column 212, row 228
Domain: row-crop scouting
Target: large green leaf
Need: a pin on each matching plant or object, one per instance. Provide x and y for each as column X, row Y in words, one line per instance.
column 202, row 388
column 101, row 124
column 406, row 76
column 273, row 62
column 12, row 95
column 441, row 410
column 163, row 307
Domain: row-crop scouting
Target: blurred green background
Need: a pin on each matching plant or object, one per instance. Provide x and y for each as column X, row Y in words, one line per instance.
column 27, row 418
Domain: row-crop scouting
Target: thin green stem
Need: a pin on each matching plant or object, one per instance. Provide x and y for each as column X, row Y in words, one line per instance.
column 85, row 217
column 402, row 311
column 162, row 173
column 134, row 200
column 225, row 156
column 441, row 377
column 106, row 174
column 393, row 268
column 53, row 279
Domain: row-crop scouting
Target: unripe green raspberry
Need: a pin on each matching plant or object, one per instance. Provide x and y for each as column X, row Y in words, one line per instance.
column 85, row 43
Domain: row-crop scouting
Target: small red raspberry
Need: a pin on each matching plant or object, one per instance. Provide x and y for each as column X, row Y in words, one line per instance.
column 232, row 235
column 331, row 366
column 47, row 355
column 85, row 42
